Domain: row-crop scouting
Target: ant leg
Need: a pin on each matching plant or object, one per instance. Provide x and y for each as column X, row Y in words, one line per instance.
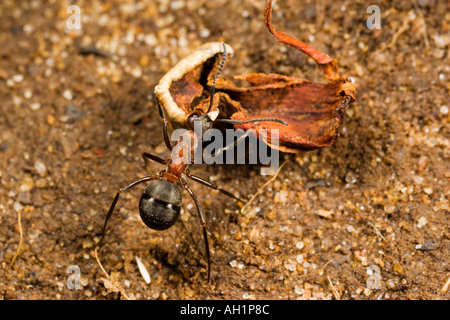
column 116, row 198
column 203, row 224
column 147, row 156
column 208, row 184
column 166, row 135
column 165, row 129
column 246, row 133
column 233, row 144
column 161, row 114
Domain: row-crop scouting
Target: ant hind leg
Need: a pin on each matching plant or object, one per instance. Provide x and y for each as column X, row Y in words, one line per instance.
column 210, row 185
column 116, row 198
column 203, row 224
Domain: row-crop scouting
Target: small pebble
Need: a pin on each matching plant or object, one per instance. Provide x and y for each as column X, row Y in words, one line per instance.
column 17, row 78
column 67, row 94
column 390, row 284
column 324, row 213
column 17, row 206
column 359, row 70
column 27, row 184
column 28, row 94
column 247, row 296
column 422, row 222
column 40, row 168
column 41, row 183
column 17, row 100
column 307, row 294
column 177, row 4
column 87, row 244
column 381, row 58
column 136, row 72
column 144, row 60
column 281, row 197
column 51, row 119
column 390, row 209
column 350, row 178
column 35, row 106
column 418, row 179
column 271, row 215
column 189, row 292
column 204, row 33
column 438, row 53
column 398, row 268
column 289, row 266
column 299, row 290
column 150, row 40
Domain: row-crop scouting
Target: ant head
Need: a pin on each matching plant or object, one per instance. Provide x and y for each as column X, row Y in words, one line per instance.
column 159, row 205
column 200, row 118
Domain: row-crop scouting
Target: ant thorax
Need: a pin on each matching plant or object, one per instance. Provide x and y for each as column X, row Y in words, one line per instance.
column 183, row 151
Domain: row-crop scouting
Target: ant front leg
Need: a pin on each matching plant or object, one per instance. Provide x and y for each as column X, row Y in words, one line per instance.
column 210, row 185
column 148, row 156
column 233, row 144
column 165, row 129
column 166, row 135
column 202, row 223
column 116, row 198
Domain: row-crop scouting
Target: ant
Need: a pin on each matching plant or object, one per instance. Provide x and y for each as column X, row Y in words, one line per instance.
column 160, row 203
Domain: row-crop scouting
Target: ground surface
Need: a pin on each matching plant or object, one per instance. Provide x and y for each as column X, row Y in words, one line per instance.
column 73, row 127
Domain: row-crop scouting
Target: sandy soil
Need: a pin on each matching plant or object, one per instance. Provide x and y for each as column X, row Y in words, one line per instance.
column 367, row 218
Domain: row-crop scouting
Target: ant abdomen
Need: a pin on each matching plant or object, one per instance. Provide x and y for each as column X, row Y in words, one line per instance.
column 160, row 204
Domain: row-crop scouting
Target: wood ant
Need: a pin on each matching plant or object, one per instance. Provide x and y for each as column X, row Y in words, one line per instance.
column 160, row 203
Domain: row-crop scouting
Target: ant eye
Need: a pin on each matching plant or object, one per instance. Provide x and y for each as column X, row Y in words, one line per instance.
column 191, row 120
column 204, row 121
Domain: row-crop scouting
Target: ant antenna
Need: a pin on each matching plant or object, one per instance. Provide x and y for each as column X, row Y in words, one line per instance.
column 230, row 121
column 213, row 86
